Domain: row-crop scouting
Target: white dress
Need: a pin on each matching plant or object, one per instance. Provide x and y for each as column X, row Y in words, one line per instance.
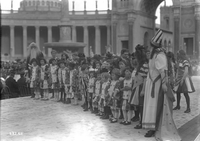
column 156, row 64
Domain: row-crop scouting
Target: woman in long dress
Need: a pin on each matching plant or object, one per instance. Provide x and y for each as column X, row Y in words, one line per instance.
column 158, row 97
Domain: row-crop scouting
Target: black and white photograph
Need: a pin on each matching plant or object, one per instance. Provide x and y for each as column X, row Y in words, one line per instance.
column 100, row 70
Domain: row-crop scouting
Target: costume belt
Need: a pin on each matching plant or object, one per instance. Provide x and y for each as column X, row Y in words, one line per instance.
column 154, row 82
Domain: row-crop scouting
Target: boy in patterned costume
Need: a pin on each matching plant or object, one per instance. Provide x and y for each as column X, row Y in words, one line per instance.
column 63, row 77
column 34, row 84
column 54, row 79
column 97, row 91
column 44, row 71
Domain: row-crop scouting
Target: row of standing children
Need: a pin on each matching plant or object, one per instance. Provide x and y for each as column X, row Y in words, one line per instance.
column 115, row 91
column 59, row 77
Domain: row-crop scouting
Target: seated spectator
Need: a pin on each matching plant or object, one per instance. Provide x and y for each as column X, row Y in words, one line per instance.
column 22, row 80
column 12, row 85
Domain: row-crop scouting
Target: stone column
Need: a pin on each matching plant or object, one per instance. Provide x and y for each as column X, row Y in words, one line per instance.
column 49, row 39
column 108, row 34
column 197, row 31
column 74, row 33
column 176, row 29
column 131, row 20
column 24, row 41
column 12, row 41
column 114, row 37
column 86, row 49
column 97, row 40
column 130, row 36
column 37, row 35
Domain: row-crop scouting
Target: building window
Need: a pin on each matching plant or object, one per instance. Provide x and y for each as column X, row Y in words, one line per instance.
column 189, row 46
column 33, row 3
column 52, row 4
column 125, row 44
column 146, row 36
column 56, row 4
column 29, row 3
column 42, row 2
column 165, row 44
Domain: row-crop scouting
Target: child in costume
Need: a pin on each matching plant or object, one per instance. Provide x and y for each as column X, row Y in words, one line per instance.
column 34, row 84
column 44, row 79
column 104, row 92
column 114, row 94
column 137, row 96
column 54, row 79
column 75, row 84
column 72, row 69
column 126, row 91
column 97, row 91
column 91, row 88
column 63, row 77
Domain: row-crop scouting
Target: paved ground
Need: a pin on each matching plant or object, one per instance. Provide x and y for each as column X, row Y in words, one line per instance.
column 25, row 119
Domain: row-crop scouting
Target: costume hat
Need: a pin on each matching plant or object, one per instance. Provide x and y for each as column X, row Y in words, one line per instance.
column 156, row 40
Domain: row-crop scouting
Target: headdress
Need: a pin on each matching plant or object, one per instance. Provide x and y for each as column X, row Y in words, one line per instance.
column 156, row 40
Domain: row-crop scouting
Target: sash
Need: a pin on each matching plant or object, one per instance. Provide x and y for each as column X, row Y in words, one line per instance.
column 153, row 87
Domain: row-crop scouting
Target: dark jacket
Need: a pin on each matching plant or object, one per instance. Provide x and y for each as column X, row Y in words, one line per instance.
column 13, row 86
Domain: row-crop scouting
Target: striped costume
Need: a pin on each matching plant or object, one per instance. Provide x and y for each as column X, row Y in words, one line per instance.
column 141, row 75
column 187, row 85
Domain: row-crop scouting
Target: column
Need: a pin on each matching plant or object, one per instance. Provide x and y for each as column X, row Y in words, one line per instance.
column 86, row 49
column 12, row 41
column 74, row 33
column 114, row 37
column 197, row 31
column 108, row 34
column 176, row 34
column 97, row 40
column 130, row 36
column 37, row 35
column 25, row 41
column 49, row 39
column 176, row 11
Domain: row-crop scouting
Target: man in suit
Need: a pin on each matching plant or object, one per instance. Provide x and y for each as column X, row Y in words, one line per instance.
column 12, row 85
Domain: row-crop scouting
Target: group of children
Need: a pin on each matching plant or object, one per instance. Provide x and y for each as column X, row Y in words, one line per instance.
column 111, row 89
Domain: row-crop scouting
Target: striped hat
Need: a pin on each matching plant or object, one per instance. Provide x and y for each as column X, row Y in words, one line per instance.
column 156, row 40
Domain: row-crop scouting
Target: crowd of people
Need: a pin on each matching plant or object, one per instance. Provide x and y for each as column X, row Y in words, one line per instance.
column 117, row 87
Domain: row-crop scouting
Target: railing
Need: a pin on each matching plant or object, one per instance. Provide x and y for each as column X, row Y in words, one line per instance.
column 96, row 12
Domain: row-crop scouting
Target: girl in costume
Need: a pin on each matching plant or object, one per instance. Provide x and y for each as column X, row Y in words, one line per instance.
column 54, row 79
column 113, row 91
column 126, row 92
column 183, row 82
column 63, row 77
column 34, row 81
column 44, row 71
column 137, row 96
column 75, row 84
column 91, row 88
column 97, row 91
column 104, row 91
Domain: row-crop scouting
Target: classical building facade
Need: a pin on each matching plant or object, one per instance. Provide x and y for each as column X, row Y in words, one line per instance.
column 130, row 22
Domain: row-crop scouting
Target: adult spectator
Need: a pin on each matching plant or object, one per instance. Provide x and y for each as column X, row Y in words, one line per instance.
column 22, row 84
column 12, row 85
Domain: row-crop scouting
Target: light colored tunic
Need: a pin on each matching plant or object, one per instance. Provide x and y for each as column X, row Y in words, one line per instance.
column 157, row 64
